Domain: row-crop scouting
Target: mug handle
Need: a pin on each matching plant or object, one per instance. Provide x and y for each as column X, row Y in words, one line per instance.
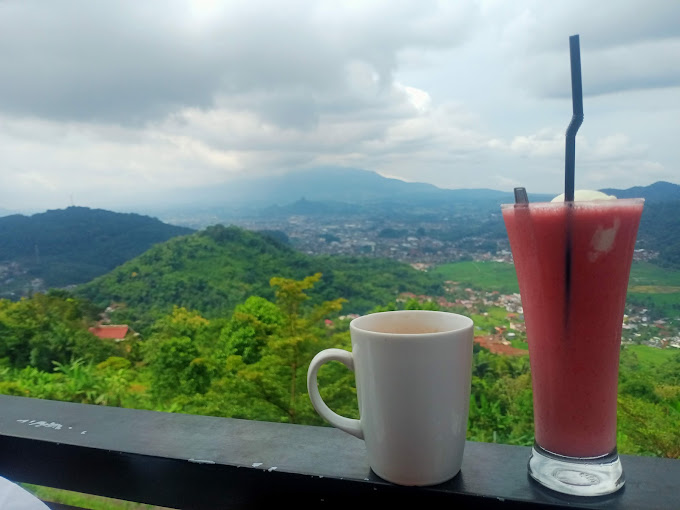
column 349, row 425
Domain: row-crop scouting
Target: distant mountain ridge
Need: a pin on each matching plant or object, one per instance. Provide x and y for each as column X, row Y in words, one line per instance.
column 660, row 191
column 336, row 184
column 6, row 212
column 348, row 191
column 359, row 186
column 73, row 245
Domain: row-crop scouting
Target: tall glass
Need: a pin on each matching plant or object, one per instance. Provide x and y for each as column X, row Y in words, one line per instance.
column 573, row 264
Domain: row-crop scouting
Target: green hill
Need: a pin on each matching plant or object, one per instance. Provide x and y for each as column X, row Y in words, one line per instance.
column 660, row 232
column 73, row 245
column 217, row 268
column 659, row 191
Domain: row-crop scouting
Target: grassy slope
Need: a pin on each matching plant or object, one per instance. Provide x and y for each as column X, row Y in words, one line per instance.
column 481, row 275
column 647, row 274
column 645, row 279
column 651, row 357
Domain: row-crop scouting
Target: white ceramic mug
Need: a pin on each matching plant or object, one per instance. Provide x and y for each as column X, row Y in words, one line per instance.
column 413, row 372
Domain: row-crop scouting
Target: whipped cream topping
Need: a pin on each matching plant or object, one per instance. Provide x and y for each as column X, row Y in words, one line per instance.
column 581, row 195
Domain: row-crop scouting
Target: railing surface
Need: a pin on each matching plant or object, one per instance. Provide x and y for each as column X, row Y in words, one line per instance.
column 201, row 462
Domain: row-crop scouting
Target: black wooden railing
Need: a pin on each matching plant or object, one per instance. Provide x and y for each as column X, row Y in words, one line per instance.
column 201, row 462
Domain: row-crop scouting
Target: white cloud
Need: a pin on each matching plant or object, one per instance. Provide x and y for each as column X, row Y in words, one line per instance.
column 115, row 100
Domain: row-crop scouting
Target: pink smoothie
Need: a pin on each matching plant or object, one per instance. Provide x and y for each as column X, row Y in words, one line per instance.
column 574, row 330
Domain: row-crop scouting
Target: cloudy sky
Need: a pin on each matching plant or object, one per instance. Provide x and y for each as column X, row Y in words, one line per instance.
column 102, row 102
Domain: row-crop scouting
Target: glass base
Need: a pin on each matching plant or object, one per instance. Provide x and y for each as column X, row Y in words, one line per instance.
column 595, row 476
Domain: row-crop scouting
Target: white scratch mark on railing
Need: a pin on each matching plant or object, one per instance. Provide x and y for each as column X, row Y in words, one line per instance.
column 41, row 423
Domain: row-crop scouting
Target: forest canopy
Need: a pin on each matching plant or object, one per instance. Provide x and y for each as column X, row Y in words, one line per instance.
column 252, row 363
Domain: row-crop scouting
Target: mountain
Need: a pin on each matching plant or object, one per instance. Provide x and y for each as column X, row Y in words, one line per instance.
column 660, row 191
column 338, row 184
column 73, row 245
column 6, row 212
column 358, row 186
column 326, row 191
column 304, row 207
column 660, row 231
column 215, row 269
column 660, row 223
column 340, row 192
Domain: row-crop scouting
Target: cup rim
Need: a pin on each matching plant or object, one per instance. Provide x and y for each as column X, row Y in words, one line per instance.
column 580, row 203
column 463, row 322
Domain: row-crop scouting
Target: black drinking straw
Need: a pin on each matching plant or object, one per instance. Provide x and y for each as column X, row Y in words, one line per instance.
column 576, row 119
column 521, row 196
column 570, row 157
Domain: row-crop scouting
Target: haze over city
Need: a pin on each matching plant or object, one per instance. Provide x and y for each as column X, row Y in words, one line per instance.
column 106, row 104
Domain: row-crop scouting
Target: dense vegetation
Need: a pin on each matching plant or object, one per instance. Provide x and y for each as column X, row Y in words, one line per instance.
column 252, row 364
column 76, row 244
column 660, row 231
column 216, row 269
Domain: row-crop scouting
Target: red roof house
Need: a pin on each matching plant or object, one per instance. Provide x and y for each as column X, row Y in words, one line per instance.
column 116, row 333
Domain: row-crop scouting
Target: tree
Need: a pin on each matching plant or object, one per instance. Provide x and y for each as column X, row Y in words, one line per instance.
column 269, row 388
column 293, row 348
column 252, row 323
column 645, row 428
column 47, row 328
column 177, row 369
